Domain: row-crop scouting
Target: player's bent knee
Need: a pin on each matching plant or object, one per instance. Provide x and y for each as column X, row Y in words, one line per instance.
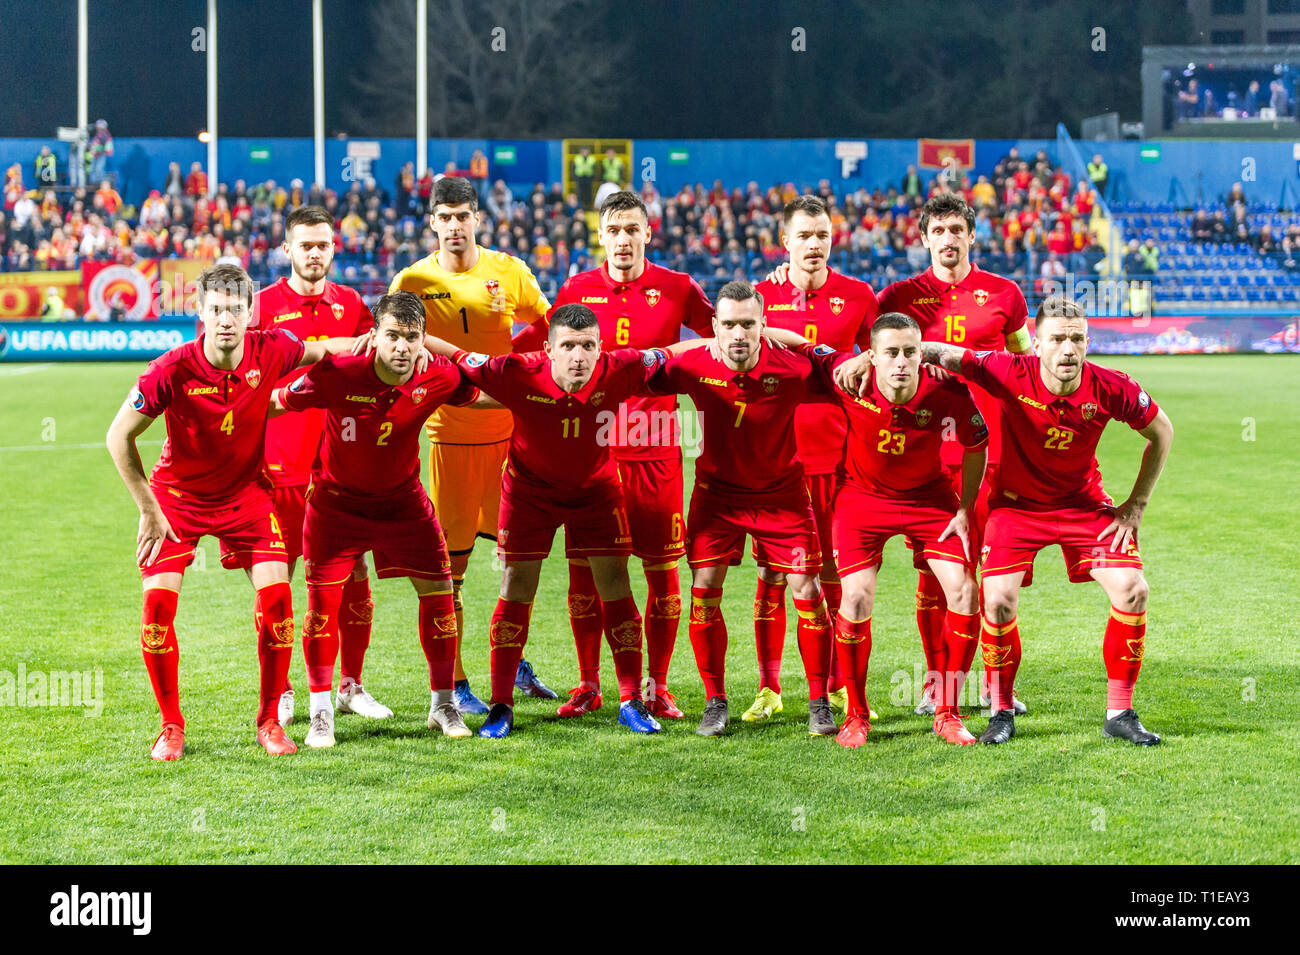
column 804, row 587
column 1135, row 593
column 856, row 605
column 965, row 599
column 1000, row 603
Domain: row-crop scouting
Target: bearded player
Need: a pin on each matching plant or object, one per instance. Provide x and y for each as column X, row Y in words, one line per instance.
column 894, row 483
column 824, row 307
column 215, row 393
column 749, row 482
column 639, row 305
column 473, row 297
column 561, row 472
column 1055, row 405
column 311, row 307
column 956, row 302
column 366, row 495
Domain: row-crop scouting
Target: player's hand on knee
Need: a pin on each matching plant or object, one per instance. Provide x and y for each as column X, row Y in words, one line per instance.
column 960, row 526
column 154, row 529
column 1124, row 527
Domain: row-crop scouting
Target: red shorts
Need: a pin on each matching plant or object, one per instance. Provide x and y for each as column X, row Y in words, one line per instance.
column 1013, row 536
column 652, row 491
column 821, row 491
column 784, row 532
column 864, row 521
column 594, row 520
column 245, row 525
column 290, row 511
column 402, row 531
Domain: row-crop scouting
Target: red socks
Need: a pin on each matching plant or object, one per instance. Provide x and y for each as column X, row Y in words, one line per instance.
column 355, row 615
column 1001, row 646
column 930, row 607
column 161, row 651
column 853, row 647
column 586, row 619
column 1122, row 649
column 962, row 633
column 663, row 610
column 320, row 636
column 769, row 632
column 708, row 632
column 507, row 635
column 833, row 590
column 815, row 643
column 438, row 638
column 273, row 610
column 623, row 631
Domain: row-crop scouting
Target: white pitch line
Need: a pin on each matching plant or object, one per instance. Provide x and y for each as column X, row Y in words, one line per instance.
column 24, row 370
column 55, row 446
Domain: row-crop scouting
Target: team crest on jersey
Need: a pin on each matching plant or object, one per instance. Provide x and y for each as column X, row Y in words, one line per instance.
column 837, row 304
column 923, row 417
column 1144, row 400
column 474, row 359
column 977, row 420
column 493, row 287
column 254, row 377
column 337, row 309
column 981, row 296
column 1089, row 411
column 769, row 384
column 652, row 297
column 597, row 398
column 417, row 394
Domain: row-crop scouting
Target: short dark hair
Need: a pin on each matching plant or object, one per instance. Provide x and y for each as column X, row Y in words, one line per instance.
column 947, row 204
column 404, row 308
column 307, row 215
column 740, row 291
column 225, row 278
column 893, row 320
column 575, row 316
column 453, row 191
column 623, row 201
column 1059, row 306
column 809, row 205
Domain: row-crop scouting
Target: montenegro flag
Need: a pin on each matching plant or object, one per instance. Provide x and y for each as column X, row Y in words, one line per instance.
column 940, row 153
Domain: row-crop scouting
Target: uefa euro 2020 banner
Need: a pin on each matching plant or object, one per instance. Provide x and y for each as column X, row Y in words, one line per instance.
column 91, row 341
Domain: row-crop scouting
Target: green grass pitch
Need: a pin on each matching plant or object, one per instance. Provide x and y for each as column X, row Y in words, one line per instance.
column 1220, row 682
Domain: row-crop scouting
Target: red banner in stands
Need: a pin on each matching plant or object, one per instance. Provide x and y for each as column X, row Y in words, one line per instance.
column 130, row 291
column 940, row 153
column 23, row 294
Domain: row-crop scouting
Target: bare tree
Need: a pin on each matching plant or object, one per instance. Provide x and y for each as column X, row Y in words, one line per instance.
column 497, row 68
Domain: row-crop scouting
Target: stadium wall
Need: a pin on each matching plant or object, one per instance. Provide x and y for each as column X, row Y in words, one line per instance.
column 1191, row 171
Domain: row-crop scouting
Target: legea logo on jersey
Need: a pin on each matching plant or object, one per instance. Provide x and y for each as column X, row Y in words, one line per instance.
column 74, row 908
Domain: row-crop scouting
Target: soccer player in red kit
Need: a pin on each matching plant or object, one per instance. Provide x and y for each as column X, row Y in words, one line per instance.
column 366, row 495
column 560, row 471
column 748, row 481
column 956, row 302
column 824, row 307
column 894, row 483
column 311, row 307
column 639, row 305
column 215, row 393
column 1054, row 407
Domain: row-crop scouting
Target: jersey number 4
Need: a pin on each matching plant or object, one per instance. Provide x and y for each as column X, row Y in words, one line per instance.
column 228, row 423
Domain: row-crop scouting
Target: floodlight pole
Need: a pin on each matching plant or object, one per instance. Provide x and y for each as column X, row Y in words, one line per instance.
column 318, row 87
column 83, row 64
column 421, row 87
column 212, row 97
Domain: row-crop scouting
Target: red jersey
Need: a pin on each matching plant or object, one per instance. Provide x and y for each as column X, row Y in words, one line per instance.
column 979, row 312
column 338, row 312
column 371, row 444
column 748, row 418
column 216, row 420
column 1050, row 457
column 561, row 440
column 647, row 312
column 895, row 450
column 839, row 314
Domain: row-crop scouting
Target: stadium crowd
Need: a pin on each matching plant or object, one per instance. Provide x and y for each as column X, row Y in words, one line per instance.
column 1027, row 207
